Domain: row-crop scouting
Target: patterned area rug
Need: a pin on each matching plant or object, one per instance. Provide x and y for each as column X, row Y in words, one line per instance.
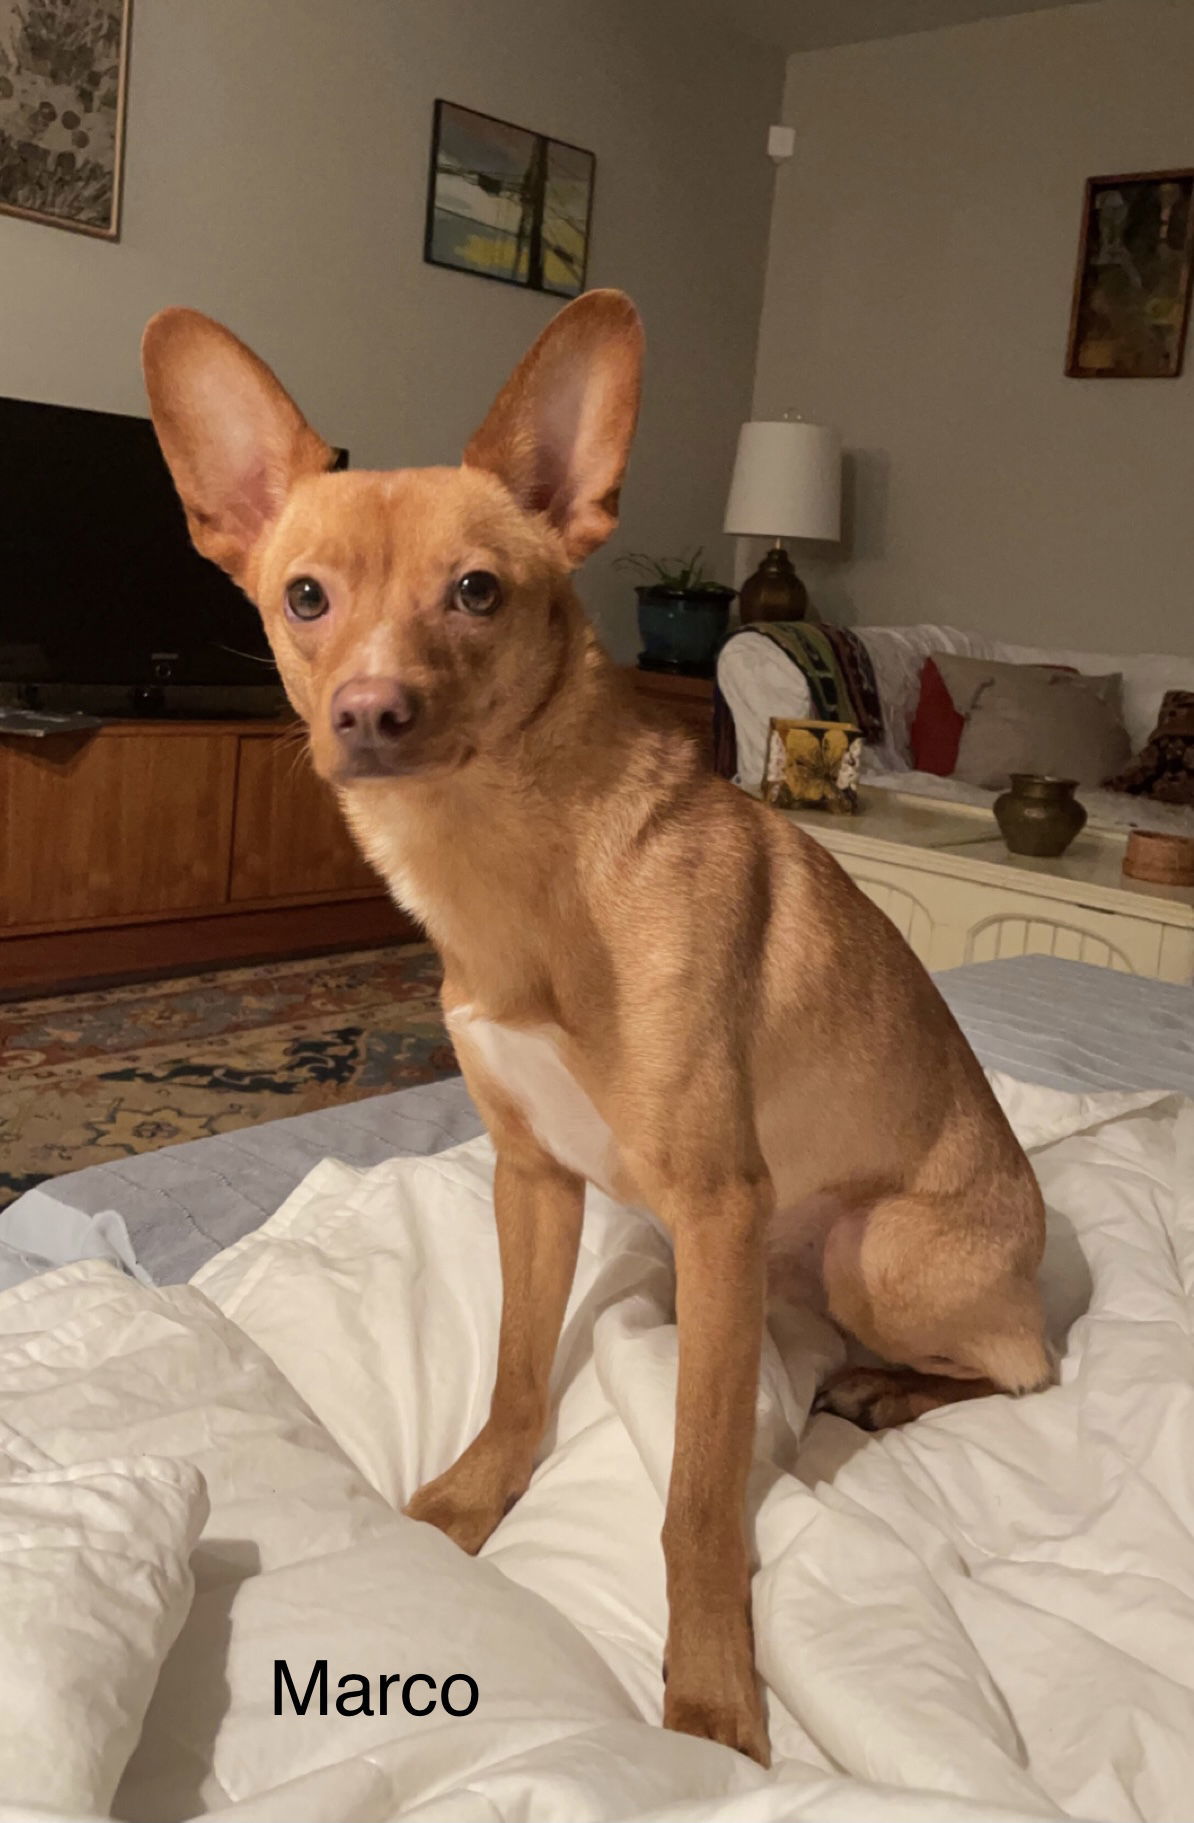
column 85, row 1078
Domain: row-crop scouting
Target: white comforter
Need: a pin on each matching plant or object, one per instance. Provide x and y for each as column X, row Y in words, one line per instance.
column 987, row 1615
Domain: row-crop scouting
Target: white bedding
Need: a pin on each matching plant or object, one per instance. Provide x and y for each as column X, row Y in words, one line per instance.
column 1070, row 1025
column 989, row 1614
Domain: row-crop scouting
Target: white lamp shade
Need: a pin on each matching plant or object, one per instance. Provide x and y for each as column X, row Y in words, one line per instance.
column 787, row 482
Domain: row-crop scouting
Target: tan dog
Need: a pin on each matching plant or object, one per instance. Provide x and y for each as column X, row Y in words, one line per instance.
column 653, row 983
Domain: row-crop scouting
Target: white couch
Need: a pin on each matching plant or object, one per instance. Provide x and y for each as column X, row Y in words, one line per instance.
column 759, row 681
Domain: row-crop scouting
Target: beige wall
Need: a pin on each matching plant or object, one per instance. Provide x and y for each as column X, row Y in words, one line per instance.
column 918, row 296
column 276, row 178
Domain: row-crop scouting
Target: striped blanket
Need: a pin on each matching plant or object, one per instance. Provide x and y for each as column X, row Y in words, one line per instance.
column 837, row 669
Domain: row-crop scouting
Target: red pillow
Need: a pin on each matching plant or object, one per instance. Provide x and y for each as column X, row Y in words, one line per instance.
column 936, row 727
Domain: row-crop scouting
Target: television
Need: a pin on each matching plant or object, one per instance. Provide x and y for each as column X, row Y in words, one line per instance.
column 106, row 605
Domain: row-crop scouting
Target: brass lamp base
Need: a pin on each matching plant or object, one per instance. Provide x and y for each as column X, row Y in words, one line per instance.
column 774, row 592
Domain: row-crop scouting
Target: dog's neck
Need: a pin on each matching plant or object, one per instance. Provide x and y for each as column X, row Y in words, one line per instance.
column 494, row 858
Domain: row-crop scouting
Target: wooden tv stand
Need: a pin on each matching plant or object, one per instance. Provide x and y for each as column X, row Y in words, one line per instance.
column 146, row 847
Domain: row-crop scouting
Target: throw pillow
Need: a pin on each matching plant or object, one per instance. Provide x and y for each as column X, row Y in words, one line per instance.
column 965, row 677
column 1164, row 767
column 1048, row 722
column 95, row 1583
column 936, row 727
column 949, row 685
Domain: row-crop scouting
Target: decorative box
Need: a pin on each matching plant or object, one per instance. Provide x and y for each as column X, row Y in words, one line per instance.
column 813, row 766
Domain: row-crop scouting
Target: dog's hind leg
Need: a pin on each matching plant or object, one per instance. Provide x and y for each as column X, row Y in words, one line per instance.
column 953, row 1304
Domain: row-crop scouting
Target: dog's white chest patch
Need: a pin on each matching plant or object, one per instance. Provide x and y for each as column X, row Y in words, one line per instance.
column 528, row 1067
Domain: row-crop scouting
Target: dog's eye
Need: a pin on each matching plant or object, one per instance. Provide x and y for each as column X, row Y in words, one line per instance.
column 306, row 599
column 479, row 592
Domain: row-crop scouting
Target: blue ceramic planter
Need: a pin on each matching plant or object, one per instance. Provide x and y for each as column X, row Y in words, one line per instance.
column 682, row 628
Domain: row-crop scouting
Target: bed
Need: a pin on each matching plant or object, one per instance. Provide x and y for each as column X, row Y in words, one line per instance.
column 1063, row 1024
column 986, row 1615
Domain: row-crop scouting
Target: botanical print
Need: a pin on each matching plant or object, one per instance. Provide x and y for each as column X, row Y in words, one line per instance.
column 813, row 766
column 507, row 203
column 1132, row 294
column 62, row 69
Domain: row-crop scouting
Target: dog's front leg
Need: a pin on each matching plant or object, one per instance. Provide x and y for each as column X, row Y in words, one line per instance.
column 712, row 1689
column 539, row 1208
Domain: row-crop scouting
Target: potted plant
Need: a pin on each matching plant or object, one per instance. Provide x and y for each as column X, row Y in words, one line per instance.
column 682, row 615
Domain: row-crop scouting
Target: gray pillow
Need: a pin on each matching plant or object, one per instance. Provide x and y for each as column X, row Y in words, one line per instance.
column 965, row 677
column 1053, row 722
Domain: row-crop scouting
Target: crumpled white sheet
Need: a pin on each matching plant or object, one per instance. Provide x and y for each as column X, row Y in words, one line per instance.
column 38, row 1231
column 987, row 1614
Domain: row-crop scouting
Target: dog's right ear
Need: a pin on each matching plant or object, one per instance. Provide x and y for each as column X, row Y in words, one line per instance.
column 233, row 440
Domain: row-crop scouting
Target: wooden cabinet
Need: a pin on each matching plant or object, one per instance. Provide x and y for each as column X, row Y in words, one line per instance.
column 289, row 837
column 106, row 828
column 688, row 699
column 162, row 845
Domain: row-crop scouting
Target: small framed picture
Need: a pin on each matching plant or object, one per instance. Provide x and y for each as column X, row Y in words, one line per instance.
column 1132, row 290
column 813, row 766
column 63, row 77
column 506, row 203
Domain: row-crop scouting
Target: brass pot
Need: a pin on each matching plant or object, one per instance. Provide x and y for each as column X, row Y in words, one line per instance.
column 1039, row 816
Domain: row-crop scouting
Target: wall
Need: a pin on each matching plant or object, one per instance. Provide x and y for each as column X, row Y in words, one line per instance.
column 276, row 178
column 918, row 295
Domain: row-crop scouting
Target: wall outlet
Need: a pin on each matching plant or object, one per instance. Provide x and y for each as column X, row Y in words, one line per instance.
column 781, row 143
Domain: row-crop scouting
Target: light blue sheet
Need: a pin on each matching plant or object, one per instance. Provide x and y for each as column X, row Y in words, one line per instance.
column 1064, row 1024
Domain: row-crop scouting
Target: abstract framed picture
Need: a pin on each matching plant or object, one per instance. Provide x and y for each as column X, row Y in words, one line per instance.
column 1132, row 289
column 63, row 77
column 506, row 203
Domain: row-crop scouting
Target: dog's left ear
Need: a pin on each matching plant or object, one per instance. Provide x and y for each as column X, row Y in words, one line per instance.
column 560, row 430
column 234, row 440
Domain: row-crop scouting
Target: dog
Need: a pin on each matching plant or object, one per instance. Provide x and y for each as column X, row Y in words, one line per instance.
column 653, row 983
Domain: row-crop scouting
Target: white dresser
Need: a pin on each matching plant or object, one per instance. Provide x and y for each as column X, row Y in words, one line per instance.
column 943, row 876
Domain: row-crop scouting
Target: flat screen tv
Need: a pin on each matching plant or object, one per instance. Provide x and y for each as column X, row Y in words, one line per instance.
column 101, row 585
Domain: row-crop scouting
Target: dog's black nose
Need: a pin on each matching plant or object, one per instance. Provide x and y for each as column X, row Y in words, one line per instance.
column 370, row 715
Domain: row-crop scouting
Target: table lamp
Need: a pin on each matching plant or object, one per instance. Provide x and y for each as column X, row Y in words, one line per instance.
column 787, row 484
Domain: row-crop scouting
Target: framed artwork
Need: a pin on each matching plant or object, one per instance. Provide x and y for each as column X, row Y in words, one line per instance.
column 63, row 76
column 505, row 203
column 1132, row 290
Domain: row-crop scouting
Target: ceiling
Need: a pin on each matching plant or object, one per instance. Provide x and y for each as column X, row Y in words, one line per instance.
column 805, row 25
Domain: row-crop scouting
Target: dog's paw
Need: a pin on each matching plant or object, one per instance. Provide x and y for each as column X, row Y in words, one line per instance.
column 466, row 1525
column 711, row 1687
column 470, row 1500
column 734, row 1723
column 877, row 1398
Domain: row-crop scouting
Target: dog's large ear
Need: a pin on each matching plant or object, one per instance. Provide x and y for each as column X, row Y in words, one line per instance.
column 560, row 430
column 233, row 440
